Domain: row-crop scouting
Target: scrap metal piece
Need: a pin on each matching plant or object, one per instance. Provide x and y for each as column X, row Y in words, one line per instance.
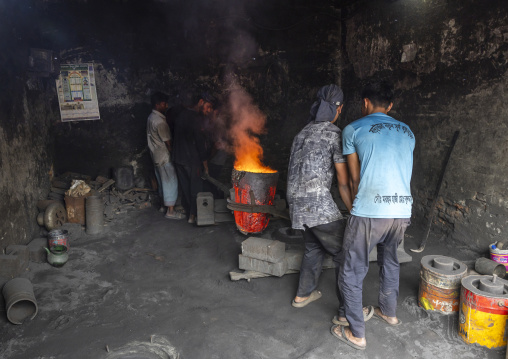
column 106, row 185
column 55, row 215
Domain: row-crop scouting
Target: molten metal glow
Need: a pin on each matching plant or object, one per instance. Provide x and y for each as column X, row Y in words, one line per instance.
column 248, row 157
column 251, row 222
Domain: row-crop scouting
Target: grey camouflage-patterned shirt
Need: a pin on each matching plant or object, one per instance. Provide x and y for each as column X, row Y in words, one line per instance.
column 311, row 169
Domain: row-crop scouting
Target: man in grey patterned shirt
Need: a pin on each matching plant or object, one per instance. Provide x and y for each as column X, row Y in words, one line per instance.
column 316, row 155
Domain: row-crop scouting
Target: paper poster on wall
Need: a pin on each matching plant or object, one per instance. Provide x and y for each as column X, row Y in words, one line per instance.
column 77, row 95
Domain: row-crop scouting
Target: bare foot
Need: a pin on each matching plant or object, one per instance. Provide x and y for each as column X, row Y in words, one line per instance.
column 173, row 214
column 300, row 299
column 361, row 342
column 389, row 320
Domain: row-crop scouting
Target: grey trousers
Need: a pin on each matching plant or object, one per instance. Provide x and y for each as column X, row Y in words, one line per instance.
column 361, row 235
column 318, row 241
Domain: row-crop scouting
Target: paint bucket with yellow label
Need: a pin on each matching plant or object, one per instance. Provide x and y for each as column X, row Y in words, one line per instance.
column 484, row 311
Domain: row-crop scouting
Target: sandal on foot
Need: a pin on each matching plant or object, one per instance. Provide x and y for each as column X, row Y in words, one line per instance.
column 366, row 316
column 315, row 295
column 378, row 316
column 344, row 338
column 174, row 215
column 335, row 320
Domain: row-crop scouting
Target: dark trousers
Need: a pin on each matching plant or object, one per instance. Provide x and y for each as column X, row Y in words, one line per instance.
column 361, row 235
column 318, row 241
column 189, row 179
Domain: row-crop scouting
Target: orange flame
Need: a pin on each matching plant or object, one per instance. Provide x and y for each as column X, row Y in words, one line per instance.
column 248, row 122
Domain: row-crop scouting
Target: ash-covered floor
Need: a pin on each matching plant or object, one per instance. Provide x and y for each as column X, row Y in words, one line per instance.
column 149, row 287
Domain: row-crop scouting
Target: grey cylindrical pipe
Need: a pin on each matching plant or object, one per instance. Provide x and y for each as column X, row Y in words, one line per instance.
column 94, row 214
column 489, row 267
column 19, row 300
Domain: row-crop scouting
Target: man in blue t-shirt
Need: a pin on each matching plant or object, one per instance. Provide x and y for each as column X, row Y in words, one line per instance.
column 379, row 151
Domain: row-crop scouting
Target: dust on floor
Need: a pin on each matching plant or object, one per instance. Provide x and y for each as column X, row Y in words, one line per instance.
column 149, row 287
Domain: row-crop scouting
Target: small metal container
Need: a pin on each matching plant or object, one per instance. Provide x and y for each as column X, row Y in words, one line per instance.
column 484, row 311
column 58, row 238
column 440, row 278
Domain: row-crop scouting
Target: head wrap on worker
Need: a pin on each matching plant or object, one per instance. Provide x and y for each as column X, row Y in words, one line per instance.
column 325, row 107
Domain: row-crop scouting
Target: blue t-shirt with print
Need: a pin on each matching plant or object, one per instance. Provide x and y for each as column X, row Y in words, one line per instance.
column 385, row 149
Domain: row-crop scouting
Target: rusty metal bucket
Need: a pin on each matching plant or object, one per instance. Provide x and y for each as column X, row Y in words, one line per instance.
column 75, row 207
column 440, row 278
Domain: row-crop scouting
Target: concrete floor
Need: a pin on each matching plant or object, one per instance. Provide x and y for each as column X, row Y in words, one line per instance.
column 156, row 288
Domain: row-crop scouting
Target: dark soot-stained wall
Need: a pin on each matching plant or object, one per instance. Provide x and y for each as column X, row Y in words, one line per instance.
column 456, row 82
column 281, row 52
column 27, row 112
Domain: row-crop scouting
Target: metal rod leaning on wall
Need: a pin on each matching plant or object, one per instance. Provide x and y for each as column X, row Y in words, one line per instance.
column 436, row 195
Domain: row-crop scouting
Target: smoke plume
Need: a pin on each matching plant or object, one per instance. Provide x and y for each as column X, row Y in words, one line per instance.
column 247, row 123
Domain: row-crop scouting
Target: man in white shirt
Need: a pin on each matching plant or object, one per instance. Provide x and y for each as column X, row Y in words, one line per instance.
column 159, row 142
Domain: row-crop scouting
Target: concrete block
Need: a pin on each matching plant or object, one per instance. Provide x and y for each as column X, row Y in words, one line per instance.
column 294, row 258
column 276, row 269
column 21, row 251
column 205, row 214
column 264, row 249
column 9, row 264
column 23, row 255
column 36, row 248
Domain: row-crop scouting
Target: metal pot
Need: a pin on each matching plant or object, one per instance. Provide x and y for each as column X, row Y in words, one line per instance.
column 57, row 259
column 255, row 189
